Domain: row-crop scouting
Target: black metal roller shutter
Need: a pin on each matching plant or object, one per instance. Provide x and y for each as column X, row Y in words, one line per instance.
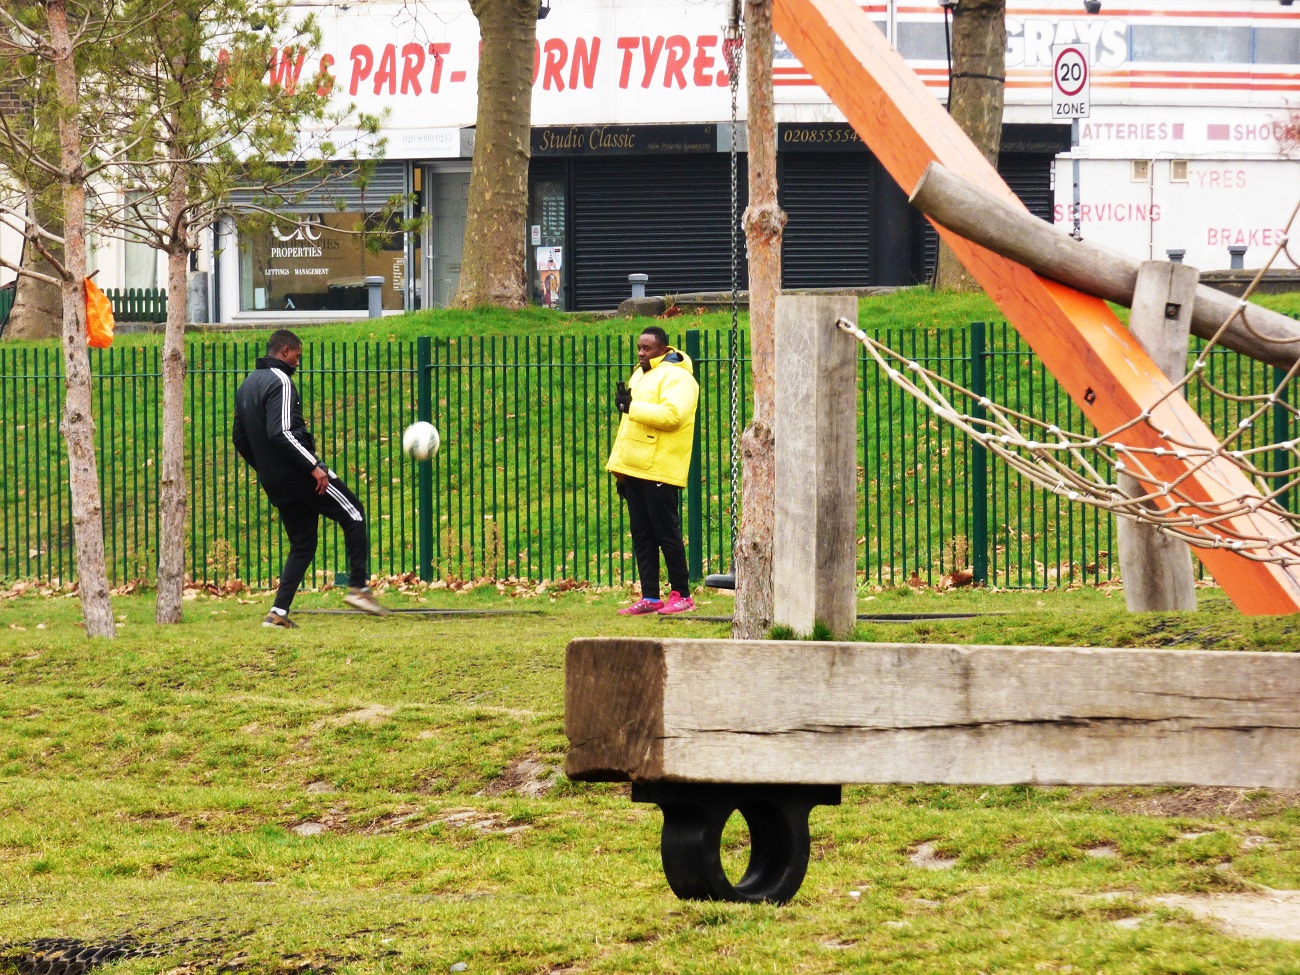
column 665, row 216
column 827, row 201
column 1030, row 178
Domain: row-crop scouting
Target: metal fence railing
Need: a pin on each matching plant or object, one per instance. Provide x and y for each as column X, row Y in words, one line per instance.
column 519, row 487
column 6, row 304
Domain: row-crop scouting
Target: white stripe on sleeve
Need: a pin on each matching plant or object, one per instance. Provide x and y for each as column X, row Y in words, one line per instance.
column 285, row 398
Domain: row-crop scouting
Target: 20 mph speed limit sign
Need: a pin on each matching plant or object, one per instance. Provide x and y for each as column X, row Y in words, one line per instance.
column 1071, row 96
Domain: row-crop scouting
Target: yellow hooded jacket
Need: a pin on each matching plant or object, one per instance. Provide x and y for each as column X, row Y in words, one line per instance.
column 655, row 436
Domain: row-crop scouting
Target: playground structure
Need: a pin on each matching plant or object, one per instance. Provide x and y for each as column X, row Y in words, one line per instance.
column 704, row 728
column 1100, row 363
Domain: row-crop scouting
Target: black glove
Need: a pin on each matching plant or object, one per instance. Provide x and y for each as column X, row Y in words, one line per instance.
column 623, row 398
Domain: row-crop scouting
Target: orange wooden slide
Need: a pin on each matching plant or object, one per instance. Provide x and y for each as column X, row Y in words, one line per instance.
column 1085, row 346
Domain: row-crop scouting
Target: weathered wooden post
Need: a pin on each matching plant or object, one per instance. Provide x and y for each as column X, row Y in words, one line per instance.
column 1157, row 568
column 813, row 566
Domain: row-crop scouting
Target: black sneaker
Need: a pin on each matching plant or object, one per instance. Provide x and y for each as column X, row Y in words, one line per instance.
column 362, row 599
column 275, row 619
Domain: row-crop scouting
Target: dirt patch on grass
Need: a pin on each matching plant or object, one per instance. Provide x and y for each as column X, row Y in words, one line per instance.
column 1196, row 803
column 401, row 818
column 925, row 857
column 482, row 822
column 528, row 776
column 405, row 819
column 1273, row 914
column 371, row 714
column 182, row 822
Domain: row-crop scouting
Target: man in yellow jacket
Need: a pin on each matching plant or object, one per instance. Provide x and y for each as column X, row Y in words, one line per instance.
column 650, row 460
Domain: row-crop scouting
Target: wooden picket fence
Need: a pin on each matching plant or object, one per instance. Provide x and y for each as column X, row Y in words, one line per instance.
column 129, row 304
column 138, row 304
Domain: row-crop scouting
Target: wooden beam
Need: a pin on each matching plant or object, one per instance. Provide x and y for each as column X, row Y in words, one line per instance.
column 1157, row 568
column 814, row 548
column 1096, row 360
column 838, row 713
column 1008, row 229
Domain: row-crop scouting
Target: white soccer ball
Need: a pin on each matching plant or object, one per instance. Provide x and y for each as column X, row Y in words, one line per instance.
column 420, row 440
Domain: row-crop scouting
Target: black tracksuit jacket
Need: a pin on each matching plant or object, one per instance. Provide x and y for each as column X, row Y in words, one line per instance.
column 270, row 433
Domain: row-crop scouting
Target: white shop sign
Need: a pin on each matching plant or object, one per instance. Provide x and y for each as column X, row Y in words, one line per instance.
column 594, row 62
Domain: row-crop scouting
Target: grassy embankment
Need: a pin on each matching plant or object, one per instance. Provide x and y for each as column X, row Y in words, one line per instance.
column 376, row 796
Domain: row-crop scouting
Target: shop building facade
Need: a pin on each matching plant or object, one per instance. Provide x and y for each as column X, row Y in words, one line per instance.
column 630, row 169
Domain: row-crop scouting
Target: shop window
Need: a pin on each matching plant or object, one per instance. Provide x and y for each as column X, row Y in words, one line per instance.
column 921, row 41
column 318, row 262
column 1191, row 45
column 140, row 258
column 1277, row 45
column 546, row 229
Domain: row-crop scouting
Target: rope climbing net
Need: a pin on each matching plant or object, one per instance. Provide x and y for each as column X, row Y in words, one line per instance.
column 1105, row 471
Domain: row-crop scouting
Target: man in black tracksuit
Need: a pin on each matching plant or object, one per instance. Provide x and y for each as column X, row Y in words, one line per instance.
column 270, row 434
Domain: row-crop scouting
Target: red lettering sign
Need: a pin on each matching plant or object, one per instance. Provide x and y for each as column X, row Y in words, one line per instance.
column 1108, row 213
column 286, row 67
column 1244, row 236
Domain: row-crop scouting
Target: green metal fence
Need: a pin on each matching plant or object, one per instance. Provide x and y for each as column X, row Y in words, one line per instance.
column 518, row 489
column 6, row 305
column 138, row 304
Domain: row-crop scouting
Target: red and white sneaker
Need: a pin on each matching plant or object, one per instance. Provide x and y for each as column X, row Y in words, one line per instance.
column 677, row 603
column 642, row 607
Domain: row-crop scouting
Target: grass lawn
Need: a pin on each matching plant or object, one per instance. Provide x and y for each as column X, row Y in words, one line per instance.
column 919, row 307
column 368, row 795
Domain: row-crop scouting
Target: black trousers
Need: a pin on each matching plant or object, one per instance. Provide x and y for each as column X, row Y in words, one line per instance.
column 653, row 512
column 301, row 519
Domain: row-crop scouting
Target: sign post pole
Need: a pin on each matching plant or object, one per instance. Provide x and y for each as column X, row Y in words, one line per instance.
column 1072, row 99
column 1077, row 233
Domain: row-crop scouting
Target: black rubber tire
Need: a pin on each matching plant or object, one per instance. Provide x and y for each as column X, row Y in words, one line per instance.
column 691, row 847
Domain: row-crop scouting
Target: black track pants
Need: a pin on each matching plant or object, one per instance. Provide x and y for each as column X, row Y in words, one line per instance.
column 653, row 512
column 301, row 519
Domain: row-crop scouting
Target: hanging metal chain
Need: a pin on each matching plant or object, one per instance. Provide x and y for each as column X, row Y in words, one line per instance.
column 735, row 40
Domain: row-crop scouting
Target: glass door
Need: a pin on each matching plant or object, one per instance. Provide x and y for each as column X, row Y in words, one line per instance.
column 446, row 200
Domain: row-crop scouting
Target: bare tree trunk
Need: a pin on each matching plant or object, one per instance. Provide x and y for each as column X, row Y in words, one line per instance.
column 78, row 425
column 38, row 305
column 493, row 262
column 764, row 223
column 171, row 485
column 979, row 47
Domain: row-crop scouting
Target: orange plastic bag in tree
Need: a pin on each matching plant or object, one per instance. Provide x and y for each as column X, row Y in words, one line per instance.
column 99, row 317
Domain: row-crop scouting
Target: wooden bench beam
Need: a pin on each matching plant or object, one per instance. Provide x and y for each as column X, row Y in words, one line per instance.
column 836, row 713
